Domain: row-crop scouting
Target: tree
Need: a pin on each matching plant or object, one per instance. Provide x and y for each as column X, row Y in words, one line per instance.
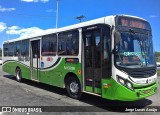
column 157, row 54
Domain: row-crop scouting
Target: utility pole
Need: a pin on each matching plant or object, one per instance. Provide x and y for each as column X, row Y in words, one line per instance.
column 80, row 18
column 57, row 14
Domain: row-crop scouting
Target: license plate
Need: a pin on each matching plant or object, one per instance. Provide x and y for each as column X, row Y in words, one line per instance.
column 147, row 91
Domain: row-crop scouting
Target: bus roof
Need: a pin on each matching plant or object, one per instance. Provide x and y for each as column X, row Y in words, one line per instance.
column 104, row 20
column 131, row 16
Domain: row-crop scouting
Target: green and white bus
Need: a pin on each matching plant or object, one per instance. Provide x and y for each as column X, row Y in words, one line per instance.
column 111, row 57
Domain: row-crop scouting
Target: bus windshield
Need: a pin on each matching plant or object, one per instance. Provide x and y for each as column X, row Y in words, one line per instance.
column 134, row 50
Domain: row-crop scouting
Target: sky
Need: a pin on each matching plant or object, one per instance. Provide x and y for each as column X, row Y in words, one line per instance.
column 24, row 17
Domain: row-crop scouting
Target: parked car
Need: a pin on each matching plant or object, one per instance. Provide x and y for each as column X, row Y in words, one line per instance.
column 0, row 61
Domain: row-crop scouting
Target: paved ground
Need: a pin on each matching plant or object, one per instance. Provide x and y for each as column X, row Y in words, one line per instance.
column 31, row 93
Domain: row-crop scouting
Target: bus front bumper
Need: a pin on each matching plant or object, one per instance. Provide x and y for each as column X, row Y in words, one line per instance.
column 124, row 94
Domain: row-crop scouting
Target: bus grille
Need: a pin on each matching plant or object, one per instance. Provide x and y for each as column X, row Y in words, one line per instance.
column 143, row 73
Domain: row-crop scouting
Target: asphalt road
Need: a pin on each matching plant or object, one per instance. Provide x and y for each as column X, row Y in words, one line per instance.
column 29, row 93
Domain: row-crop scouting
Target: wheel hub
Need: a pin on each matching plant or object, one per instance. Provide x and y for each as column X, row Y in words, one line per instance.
column 74, row 87
column 18, row 76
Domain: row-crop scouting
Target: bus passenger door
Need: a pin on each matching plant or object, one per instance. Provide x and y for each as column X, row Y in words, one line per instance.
column 92, row 60
column 35, row 59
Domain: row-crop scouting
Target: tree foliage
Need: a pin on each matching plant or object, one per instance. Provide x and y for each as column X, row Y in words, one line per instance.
column 157, row 54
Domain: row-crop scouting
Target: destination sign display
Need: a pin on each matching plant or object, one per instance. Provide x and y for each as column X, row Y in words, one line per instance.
column 133, row 22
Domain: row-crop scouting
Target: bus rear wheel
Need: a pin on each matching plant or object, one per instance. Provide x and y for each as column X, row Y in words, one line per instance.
column 18, row 75
column 73, row 87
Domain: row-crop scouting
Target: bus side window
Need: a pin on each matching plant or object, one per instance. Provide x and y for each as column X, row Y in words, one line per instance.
column 68, row 43
column 61, row 44
column 5, row 50
column 49, row 45
column 11, row 49
column 25, row 48
column 17, row 48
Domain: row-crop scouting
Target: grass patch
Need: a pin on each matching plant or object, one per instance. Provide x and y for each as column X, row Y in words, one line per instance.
column 158, row 72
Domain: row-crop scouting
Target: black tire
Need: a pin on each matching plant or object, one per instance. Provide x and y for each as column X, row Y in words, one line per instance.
column 73, row 87
column 18, row 75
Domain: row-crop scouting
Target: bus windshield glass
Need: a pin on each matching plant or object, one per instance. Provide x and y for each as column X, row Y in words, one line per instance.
column 134, row 50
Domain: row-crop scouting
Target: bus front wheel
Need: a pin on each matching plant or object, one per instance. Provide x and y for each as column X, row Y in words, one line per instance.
column 73, row 87
column 18, row 75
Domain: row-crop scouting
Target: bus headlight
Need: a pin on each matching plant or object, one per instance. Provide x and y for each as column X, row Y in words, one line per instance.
column 121, row 81
column 129, row 85
column 125, row 82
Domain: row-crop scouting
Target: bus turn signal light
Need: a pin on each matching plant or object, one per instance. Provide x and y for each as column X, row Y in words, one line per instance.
column 107, row 86
column 79, row 72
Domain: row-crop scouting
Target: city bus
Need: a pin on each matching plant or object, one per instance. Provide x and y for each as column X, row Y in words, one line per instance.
column 111, row 57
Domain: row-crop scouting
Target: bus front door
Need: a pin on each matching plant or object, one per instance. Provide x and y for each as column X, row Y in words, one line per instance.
column 92, row 61
column 35, row 59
